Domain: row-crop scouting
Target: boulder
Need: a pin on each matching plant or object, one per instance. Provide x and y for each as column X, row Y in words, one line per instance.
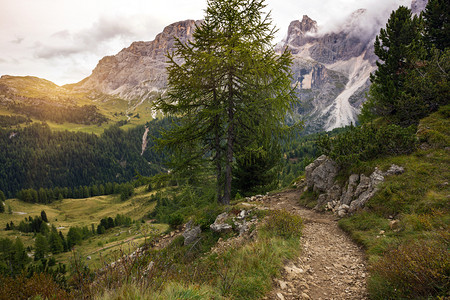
column 395, row 170
column 219, row 224
column 321, row 173
column 191, row 234
column 347, row 195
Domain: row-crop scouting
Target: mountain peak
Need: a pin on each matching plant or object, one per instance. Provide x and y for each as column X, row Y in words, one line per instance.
column 308, row 25
column 138, row 70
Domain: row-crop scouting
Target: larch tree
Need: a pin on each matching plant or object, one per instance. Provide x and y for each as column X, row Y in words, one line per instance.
column 225, row 86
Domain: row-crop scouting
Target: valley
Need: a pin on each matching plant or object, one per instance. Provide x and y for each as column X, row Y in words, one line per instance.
column 67, row 213
column 212, row 163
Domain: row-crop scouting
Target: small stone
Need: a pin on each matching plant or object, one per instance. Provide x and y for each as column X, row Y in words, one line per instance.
column 393, row 224
column 280, row 296
column 305, row 296
column 283, row 285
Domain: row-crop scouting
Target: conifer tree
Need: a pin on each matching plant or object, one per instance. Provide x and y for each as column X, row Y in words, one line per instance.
column 20, row 255
column 44, row 216
column 230, row 78
column 55, row 243
column 393, row 46
column 436, row 24
column 40, row 247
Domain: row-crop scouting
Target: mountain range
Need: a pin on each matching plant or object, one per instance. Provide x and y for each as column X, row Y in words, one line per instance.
column 331, row 73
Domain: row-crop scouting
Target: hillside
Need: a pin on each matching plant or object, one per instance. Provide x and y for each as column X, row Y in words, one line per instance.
column 404, row 221
column 62, row 108
column 88, row 212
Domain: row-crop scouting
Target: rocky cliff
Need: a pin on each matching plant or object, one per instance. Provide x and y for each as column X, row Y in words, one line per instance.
column 344, row 59
column 331, row 68
column 139, row 71
column 418, row 5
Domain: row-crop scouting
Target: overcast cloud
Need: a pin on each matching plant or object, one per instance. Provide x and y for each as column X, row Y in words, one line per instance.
column 62, row 40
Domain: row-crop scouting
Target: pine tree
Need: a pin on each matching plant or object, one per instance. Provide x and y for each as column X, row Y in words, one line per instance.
column 21, row 258
column 55, row 243
column 436, row 24
column 42, row 195
column 394, row 48
column 63, row 241
column 44, row 216
column 256, row 169
column 40, row 247
column 229, row 79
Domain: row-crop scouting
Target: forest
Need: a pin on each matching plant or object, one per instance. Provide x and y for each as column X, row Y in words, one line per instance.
column 36, row 157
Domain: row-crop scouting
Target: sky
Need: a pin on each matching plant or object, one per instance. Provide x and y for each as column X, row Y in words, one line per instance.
column 63, row 40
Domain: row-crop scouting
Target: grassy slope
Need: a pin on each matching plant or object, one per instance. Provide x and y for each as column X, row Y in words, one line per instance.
column 112, row 107
column 405, row 227
column 84, row 212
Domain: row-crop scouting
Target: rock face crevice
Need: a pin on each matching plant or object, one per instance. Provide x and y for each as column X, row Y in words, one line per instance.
column 343, row 199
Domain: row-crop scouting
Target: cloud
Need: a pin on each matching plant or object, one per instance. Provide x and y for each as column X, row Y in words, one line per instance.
column 89, row 40
column 18, row 40
column 63, row 34
column 365, row 21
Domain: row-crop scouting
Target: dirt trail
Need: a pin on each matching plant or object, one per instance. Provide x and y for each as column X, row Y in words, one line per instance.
column 331, row 266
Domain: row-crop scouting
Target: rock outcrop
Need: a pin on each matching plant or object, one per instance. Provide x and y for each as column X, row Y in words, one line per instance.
column 331, row 70
column 320, row 174
column 348, row 198
column 139, row 71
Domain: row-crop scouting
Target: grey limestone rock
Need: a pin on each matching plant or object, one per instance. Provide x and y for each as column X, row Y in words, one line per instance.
column 321, row 173
column 219, row 224
column 343, row 200
column 191, row 234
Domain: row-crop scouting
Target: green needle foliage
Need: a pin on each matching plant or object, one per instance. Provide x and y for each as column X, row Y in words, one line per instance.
column 228, row 90
column 436, row 24
column 413, row 68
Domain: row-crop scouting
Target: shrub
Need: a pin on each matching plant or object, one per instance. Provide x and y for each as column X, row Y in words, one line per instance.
column 175, row 220
column 39, row 285
column 283, row 224
column 364, row 143
column 413, row 270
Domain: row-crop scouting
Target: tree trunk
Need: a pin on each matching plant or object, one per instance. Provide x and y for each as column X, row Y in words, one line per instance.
column 230, row 143
column 218, row 152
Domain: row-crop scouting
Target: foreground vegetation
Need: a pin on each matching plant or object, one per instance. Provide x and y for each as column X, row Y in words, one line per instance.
column 405, row 227
column 244, row 270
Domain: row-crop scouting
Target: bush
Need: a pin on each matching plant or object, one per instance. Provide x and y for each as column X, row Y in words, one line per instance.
column 39, row 286
column 364, row 143
column 283, row 224
column 413, row 270
column 175, row 220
